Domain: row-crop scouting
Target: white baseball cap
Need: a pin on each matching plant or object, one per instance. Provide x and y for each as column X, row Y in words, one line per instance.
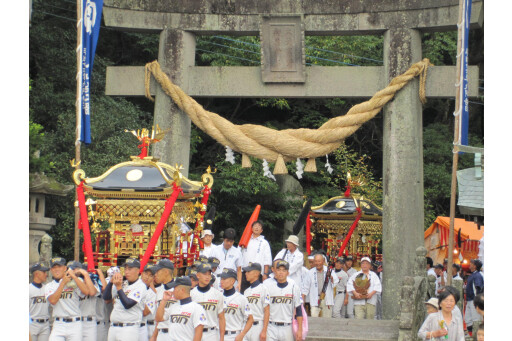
column 366, row 259
column 293, row 239
column 433, row 302
column 206, row 233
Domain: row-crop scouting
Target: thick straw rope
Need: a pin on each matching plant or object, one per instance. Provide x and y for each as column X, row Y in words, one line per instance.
column 289, row 144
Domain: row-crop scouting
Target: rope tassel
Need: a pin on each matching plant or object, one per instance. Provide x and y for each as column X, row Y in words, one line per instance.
column 310, row 166
column 246, row 162
column 280, row 167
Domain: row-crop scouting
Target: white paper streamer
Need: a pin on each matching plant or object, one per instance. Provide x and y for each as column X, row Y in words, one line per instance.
column 230, row 157
column 328, row 165
column 300, row 168
column 266, row 171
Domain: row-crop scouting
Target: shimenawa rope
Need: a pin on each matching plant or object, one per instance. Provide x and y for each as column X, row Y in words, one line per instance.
column 281, row 146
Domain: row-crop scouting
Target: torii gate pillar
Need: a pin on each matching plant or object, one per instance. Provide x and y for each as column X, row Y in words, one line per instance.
column 403, row 169
column 175, row 54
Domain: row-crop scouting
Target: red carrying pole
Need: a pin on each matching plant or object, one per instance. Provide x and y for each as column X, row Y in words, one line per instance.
column 246, row 236
column 169, row 204
column 349, row 234
column 84, row 222
column 308, row 235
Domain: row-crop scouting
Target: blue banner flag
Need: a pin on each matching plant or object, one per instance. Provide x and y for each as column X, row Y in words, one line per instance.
column 464, row 112
column 91, row 20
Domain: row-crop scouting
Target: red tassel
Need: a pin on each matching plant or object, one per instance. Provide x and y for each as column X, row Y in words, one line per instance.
column 347, row 192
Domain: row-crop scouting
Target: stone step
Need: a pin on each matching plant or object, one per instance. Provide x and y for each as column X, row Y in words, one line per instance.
column 323, row 329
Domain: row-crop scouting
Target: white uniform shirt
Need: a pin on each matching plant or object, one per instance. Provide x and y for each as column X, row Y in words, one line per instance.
column 314, row 287
column 431, row 272
column 207, row 251
column 38, row 305
column 236, row 311
column 374, row 285
column 68, row 304
column 87, row 303
column 159, row 295
column 258, row 299
column 257, row 251
column 283, row 301
column 135, row 291
column 101, row 310
column 271, row 278
column 231, row 258
column 183, row 319
column 296, row 260
column 342, row 280
column 212, row 302
column 150, row 302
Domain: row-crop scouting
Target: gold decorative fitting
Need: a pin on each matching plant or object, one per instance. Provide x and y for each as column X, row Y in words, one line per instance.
column 340, row 204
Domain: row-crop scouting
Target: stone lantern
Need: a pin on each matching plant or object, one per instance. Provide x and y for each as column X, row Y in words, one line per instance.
column 39, row 187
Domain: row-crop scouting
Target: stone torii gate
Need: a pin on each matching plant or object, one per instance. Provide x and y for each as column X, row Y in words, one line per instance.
column 282, row 26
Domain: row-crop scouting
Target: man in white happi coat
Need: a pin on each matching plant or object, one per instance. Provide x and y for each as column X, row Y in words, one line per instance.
column 207, row 238
column 257, row 251
column 365, row 305
column 317, row 277
column 294, row 257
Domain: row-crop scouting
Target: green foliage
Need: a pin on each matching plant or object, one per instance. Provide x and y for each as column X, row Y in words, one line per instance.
column 440, row 47
column 37, row 164
column 347, row 160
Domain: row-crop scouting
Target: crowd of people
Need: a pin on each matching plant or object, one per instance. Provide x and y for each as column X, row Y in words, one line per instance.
column 229, row 293
column 445, row 320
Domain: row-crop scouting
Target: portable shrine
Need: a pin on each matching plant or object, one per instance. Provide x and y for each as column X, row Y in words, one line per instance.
column 350, row 223
column 142, row 208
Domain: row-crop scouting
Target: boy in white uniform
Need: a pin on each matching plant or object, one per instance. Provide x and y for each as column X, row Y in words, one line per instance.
column 186, row 318
column 164, row 271
column 64, row 295
column 236, row 308
column 128, row 302
column 214, row 263
column 284, row 302
column 102, row 313
column 38, row 305
column 349, row 308
column 147, row 277
column 258, row 298
column 87, row 306
column 341, row 298
column 212, row 302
